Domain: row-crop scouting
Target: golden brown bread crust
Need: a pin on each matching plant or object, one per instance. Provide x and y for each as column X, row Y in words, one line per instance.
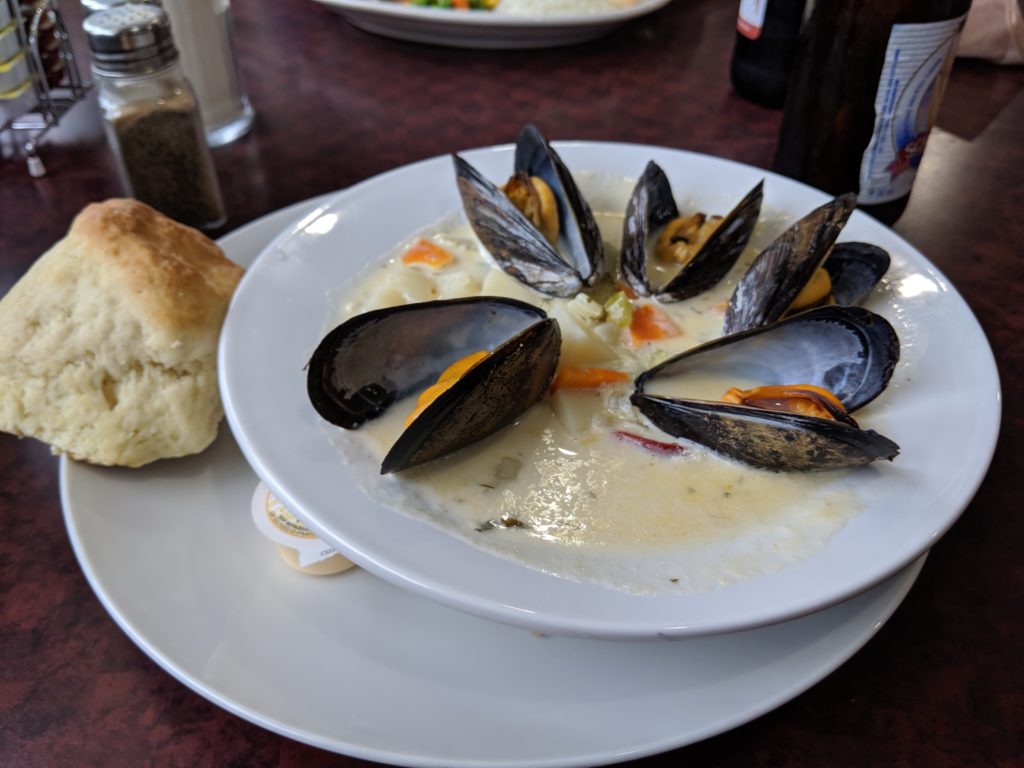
column 109, row 342
column 176, row 277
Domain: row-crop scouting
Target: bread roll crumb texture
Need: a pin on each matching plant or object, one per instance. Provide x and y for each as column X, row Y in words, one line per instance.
column 109, row 343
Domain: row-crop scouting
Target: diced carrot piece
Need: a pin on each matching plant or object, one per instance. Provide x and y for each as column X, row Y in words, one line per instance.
column 650, row 324
column 427, row 253
column 576, row 377
column 461, row 4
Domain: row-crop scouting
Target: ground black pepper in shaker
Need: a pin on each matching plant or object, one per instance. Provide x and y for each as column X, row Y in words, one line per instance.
column 151, row 116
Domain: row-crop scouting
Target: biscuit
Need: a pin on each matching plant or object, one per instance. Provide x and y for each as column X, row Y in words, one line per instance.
column 109, row 343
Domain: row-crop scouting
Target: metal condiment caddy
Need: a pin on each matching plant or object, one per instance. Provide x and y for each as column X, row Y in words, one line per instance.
column 55, row 84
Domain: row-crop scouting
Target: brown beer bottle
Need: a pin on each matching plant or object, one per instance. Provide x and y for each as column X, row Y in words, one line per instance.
column 762, row 56
column 863, row 95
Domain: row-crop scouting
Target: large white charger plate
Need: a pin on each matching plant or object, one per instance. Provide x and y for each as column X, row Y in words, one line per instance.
column 942, row 408
column 483, row 29
column 352, row 664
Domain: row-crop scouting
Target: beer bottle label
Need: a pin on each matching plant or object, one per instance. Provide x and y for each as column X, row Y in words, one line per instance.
column 918, row 59
column 751, row 18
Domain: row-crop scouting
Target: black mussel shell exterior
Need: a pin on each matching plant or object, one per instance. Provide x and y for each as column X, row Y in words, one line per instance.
column 849, row 351
column 780, row 271
column 369, row 362
column 512, row 240
column 768, row 440
column 583, row 243
column 514, row 243
column 854, row 269
column 650, row 206
column 490, row 396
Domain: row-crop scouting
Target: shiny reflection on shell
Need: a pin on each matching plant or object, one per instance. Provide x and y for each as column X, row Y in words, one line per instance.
column 365, row 365
column 847, row 350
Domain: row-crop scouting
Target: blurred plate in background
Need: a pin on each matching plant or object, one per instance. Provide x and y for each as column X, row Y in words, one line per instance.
column 483, row 29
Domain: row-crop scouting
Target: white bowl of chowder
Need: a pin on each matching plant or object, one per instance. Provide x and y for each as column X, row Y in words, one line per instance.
column 575, row 520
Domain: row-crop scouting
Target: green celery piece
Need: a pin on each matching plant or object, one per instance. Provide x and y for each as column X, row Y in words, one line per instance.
column 619, row 309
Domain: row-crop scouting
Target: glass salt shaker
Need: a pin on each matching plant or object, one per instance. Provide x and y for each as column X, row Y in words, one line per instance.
column 205, row 32
column 151, row 116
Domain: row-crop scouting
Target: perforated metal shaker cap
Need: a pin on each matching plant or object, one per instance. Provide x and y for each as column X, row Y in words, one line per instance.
column 129, row 39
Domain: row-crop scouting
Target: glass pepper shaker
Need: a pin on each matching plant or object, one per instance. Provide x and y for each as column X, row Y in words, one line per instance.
column 204, row 36
column 151, row 116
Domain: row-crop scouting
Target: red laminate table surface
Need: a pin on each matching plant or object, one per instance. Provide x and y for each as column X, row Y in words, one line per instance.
column 942, row 684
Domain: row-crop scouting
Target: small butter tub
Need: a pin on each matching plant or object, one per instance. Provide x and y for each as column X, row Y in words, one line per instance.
column 297, row 545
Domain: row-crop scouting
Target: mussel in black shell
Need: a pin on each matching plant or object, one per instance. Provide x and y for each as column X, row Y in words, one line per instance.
column 557, row 252
column 778, row 274
column 842, row 357
column 853, row 270
column 373, row 360
column 705, row 248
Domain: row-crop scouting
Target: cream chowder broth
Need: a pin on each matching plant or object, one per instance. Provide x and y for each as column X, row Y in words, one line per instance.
column 582, row 486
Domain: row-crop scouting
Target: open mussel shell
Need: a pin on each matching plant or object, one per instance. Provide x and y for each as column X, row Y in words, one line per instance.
column 582, row 238
column 767, row 439
column 855, row 269
column 516, row 246
column 373, row 360
column 514, row 243
column 651, row 206
column 848, row 350
column 771, row 283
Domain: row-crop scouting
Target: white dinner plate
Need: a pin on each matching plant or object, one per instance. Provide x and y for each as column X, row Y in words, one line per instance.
column 352, row 664
column 942, row 408
column 483, row 29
